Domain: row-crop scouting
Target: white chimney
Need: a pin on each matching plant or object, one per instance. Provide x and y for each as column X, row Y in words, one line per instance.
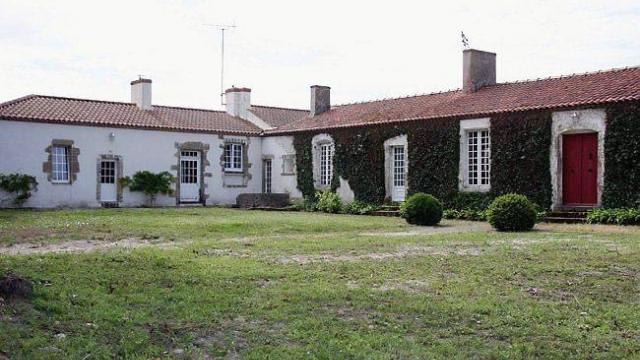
column 238, row 102
column 141, row 93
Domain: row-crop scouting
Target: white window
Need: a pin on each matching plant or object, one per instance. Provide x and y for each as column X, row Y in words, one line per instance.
column 478, row 167
column 326, row 164
column 60, row 164
column 189, row 167
column 398, row 166
column 475, row 155
column 233, row 157
column 266, row 176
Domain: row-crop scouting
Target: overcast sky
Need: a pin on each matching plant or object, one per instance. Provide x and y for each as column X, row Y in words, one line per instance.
column 363, row 49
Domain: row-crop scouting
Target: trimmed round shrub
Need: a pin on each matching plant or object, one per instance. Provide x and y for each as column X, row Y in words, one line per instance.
column 512, row 212
column 422, row 209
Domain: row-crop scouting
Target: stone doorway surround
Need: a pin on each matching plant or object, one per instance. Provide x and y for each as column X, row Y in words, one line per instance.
column 119, row 175
column 204, row 163
column 400, row 140
column 575, row 122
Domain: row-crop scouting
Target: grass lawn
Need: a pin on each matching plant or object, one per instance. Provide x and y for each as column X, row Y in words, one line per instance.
column 206, row 283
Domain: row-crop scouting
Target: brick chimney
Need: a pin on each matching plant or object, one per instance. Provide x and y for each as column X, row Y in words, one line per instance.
column 238, row 101
column 141, row 93
column 478, row 70
column 320, row 99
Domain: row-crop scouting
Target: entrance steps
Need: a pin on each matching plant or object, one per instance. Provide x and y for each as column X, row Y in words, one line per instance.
column 387, row 210
column 568, row 215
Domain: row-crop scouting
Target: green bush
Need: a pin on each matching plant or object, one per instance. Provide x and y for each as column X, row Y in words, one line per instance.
column 422, row 209
column 465, row 214
column 20, row 185
column 359, row 208
column 512, row 212
column 629, row 216
column 328, row 202
column 470, row 201
column 149, row 183
column 308, row 203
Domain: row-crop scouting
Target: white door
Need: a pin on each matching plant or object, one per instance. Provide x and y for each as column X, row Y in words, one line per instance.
column 190, row 176
column 108, row 176
column 399, row 174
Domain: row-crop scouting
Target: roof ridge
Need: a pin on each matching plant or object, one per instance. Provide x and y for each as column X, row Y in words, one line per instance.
column 189, row 108
column 278, row 107
column 102, row 101
column 17, row 100
column 82, row 99
column 399, row 97
column 566, row 76
column 497, row 84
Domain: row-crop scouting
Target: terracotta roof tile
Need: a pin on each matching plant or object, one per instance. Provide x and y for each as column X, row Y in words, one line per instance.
column 560, row 92
column 277, row 116
column 118, row 114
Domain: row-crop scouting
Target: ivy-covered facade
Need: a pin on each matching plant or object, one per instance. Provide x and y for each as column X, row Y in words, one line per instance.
column 520, row 159
column 566, row 142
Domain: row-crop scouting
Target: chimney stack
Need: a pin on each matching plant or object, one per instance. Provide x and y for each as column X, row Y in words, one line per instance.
column 478, row 70
column 141, row 93
column 238, row 101
column 320, row 99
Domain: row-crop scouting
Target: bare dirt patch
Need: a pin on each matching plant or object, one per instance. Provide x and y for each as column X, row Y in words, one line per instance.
column 80, row 246
column 447, row 227
column 408, row 286
column 402, row 252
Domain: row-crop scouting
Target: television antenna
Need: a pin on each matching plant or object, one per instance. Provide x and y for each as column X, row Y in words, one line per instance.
column 222, row 28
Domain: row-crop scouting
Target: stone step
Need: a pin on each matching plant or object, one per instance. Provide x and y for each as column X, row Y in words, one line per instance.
column 568, row 214
column 565, row 220
column 386, row 213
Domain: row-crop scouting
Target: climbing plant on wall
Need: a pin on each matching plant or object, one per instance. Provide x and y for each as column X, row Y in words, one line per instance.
column 434, row 150
column 622, row 157
column 359, row 159
column 304, row 163
column 520, row 150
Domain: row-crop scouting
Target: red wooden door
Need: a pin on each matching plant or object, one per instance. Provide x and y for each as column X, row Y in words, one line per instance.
column 580, row 169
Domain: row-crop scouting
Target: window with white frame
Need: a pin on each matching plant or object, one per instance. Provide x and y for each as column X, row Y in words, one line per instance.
column 326, row 164
column 266, row 176
column 398, row 166
column 233, row 157
column 478, row 156
column 475, row 155
column 60, row 164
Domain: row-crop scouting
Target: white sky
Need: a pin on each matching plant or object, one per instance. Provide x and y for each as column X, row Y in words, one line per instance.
column 363, row 49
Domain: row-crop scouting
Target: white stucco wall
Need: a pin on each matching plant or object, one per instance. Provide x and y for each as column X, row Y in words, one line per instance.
column 23, row 144
column 275, row 147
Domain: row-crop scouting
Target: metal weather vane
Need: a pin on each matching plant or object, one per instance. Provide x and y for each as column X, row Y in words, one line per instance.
column 465, row 41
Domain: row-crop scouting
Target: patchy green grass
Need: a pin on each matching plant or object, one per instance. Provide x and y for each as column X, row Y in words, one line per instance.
column 294, row 285
column 187, row 223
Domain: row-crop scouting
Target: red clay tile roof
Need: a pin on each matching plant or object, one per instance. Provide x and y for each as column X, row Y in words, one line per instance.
column 277, row 116
column 52, row 109
column 561, row 92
